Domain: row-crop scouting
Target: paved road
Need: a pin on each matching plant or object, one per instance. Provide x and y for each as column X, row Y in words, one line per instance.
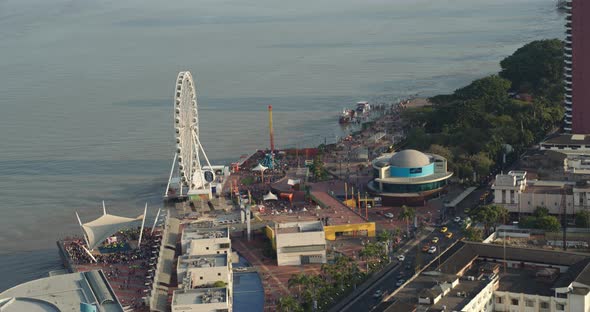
column 366, row 301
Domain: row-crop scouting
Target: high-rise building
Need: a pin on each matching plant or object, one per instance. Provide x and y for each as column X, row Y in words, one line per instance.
column 577, row 67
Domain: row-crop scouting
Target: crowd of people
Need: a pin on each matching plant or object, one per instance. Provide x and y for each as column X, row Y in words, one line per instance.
column 75, row 249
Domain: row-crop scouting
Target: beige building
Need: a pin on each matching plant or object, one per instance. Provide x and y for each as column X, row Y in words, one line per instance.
column 202, row 270
column 300, row 243
column 519, row 195
column 202, row 300
column 203, row 241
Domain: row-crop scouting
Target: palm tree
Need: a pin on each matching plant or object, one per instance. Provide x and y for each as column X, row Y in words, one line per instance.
column 298, row 280
column 288, row 304
column 407, row 214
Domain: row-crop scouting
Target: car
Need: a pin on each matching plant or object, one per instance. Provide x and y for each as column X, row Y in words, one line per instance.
column 466, row 211
column 388, row 215
column 457, row 219
column 449, row 235
column 432, row 249
column 435, row 240
column 378, row 293
column 425, row 248
column 400, row 282
column 401, row 258
column 443, row 229
column 240, row 269
column 400, row 275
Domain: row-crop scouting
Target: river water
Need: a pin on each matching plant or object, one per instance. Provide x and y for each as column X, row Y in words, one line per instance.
column 86, row 89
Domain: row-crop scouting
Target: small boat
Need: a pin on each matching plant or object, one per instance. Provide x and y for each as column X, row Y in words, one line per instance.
column 347, row 116
column 363, row 107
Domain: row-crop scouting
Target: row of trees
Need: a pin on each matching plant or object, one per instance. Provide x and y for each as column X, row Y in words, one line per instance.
column 319, row 292
column 473, row 126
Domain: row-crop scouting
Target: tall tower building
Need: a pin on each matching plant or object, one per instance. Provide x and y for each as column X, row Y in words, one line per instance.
column 577, row 67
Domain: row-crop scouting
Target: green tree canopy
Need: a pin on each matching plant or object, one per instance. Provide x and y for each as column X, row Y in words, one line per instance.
column 536, row 68
column 583, row 218
column 490, row 216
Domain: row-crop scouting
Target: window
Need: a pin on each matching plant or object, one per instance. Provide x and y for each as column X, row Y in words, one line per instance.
column 499, row 300
column 218, row 274
column 544, row 305
column 562, row 295
column 200, row 277
column 415, row 170
column 514, row 301
column 222, row 246
column 559, row 307
column 218, row 252
column 207, row 248
column 529, row 303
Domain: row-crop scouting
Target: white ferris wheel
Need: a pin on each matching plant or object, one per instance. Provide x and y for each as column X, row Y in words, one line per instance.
column 187, row 171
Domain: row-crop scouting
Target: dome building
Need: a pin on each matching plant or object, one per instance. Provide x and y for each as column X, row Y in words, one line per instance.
column 408, row 177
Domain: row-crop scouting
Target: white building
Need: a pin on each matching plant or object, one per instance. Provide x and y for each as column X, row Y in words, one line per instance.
column 300, row 243
column 201, row 270
column 204, row 241
column 519, row 195
column 202, row 300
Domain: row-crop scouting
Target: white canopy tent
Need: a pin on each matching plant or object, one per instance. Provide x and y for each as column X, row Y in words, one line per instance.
column 103, row 227
column 259, row 168
column 270, row 196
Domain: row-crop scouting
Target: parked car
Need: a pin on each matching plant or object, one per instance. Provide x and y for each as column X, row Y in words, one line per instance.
column 432, row 249
column 400, row 282
column 457, row 219
column 401, row 258
column 378, row 293
column 449, row 235
column 388, row 215
column 435, row 240
column 425, row 248
column 443, row 229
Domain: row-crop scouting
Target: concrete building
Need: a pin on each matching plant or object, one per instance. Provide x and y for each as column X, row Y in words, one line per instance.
column 475, row 277
column 202, row 300
column 205, row 241
column 408, row 177
column 199, row 270
column 577, row 67
column 520, row 196
column 300, row 243
column 61, row 293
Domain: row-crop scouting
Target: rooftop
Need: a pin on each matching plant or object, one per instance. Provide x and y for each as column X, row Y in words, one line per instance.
column 567, row 139
column 61, row 293
column 299, row 227
column 193, row 233
column 199, row 296
column 409, row 159
column 200, row 261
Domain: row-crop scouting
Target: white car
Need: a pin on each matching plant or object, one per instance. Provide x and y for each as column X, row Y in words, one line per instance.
column 457, row 219
column 389, row 215
column 432, row 249
column 378, row 293
column 401, row 258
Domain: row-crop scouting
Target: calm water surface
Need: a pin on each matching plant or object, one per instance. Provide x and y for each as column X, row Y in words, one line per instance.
column 86, row 89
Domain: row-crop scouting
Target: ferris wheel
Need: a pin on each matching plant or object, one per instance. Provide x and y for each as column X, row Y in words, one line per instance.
column 187, row 159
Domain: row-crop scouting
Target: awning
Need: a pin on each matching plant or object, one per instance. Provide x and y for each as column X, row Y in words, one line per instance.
column 270, row 196
column 260, row 168
column 293, row 181
column 105, row 226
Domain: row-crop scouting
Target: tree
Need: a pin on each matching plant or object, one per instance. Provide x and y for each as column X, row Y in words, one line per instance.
column 490, row 216
column 442, row 151
column 548, row 223
column 481, row 164
column 473, row 234
column 288, row 304
column 299, row 281
column 537, row 67
column 407, row 214
column 384, row 236
column 583, row 219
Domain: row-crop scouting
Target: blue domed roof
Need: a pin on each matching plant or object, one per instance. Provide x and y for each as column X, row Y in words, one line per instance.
column 409, row 159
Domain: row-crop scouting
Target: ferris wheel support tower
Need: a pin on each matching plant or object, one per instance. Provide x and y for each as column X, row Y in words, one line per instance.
column 187, row 174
